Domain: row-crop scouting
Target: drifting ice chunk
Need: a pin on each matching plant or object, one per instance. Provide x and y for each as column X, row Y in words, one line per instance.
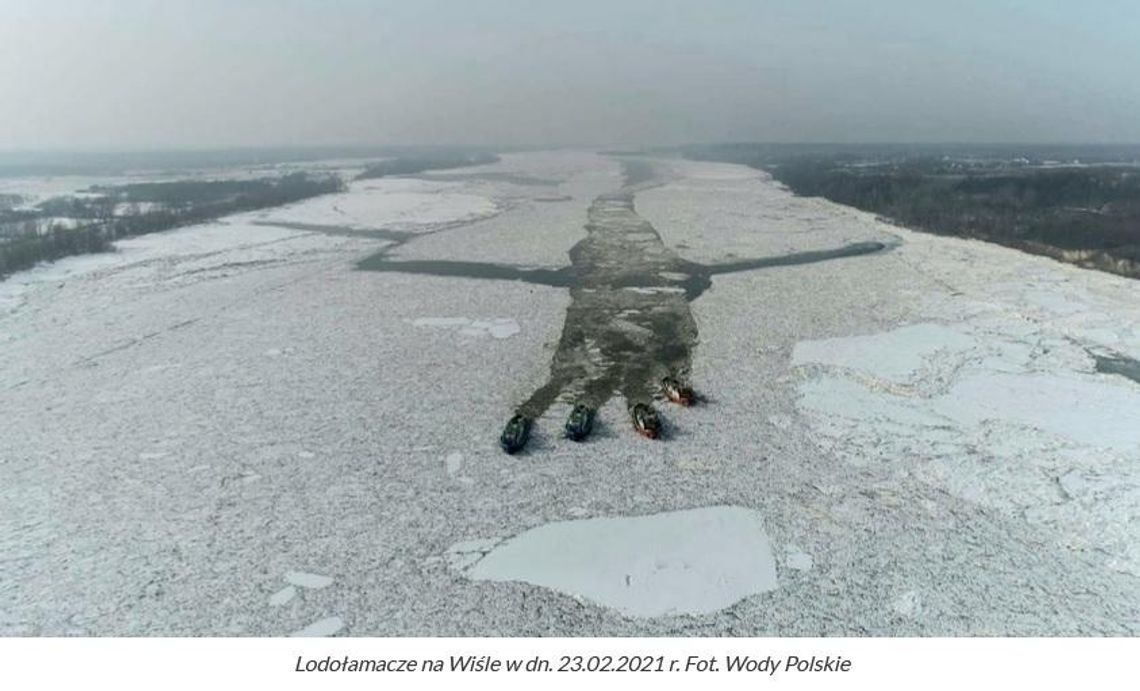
column 680, row 562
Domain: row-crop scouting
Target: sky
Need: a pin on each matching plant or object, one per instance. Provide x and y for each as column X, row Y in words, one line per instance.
column 135, row 74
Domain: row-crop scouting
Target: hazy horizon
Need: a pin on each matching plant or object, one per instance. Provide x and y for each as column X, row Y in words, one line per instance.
column 370, row 150
column 132, row 75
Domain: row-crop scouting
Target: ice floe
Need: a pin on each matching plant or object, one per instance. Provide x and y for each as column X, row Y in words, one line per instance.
column 797, row 559
column 462, row 555
column 498, row 328
column 308, row 580
column 894, row 355
column 323, row 627
column 997, row 410
column 282, row 596
column 679, row 562
column 972, row 380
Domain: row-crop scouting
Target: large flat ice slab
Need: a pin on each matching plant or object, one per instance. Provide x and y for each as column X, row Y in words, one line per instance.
column 679, row 562
column 1094, row 411
column 895, row 355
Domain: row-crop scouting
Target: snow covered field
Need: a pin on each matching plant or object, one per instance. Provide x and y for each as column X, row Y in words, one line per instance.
column 229, row 429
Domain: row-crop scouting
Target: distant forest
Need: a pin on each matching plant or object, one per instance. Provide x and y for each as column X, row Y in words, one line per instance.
column 107, row 213
column 1076, row 205
column 50, row 163
column 93, row 220
column 410, row 165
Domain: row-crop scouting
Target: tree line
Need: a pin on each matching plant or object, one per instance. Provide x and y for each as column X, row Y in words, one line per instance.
column 169, row 205
column 1089, row 215
column 410, row 165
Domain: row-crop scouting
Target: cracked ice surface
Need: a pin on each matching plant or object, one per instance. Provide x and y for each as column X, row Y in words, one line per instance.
column 679, row 562
column 187, row 422
column 894, row 356
column 389, row 203
column 1006, row 412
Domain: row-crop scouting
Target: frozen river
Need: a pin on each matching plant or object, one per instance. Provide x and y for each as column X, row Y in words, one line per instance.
column 232, row 429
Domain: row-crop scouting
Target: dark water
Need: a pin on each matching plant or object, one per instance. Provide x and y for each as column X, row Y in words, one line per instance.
column 493, row 176
column 629, row 324
column 396, row 236
column 1123, row 366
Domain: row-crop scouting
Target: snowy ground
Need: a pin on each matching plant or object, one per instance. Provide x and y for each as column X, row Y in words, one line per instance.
column 228, row 429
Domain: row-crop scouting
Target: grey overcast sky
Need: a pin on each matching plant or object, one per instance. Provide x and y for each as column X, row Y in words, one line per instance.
column 213, row 73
